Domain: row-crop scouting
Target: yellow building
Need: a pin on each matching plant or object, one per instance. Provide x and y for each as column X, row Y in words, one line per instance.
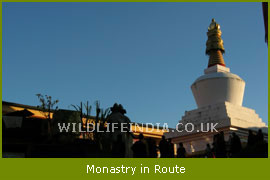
column 38, row 115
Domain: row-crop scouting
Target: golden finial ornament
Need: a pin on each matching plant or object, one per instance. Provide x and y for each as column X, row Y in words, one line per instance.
column 214, row 45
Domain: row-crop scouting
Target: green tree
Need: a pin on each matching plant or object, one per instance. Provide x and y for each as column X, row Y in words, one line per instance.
column 85, row 112
column 47, row 107
column 100, row 120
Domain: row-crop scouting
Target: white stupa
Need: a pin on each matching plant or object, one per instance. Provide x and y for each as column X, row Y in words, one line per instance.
column 219, row 96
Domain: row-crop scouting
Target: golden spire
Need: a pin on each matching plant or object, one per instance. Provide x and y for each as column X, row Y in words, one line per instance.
column 214, row 45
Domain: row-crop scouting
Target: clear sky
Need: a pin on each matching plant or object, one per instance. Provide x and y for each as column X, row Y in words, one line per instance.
column 142, row 55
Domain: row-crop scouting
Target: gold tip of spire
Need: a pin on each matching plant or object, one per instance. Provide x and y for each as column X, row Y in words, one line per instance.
column 214, row 44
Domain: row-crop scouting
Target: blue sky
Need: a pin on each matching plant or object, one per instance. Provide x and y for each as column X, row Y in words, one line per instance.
column 142, row 55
